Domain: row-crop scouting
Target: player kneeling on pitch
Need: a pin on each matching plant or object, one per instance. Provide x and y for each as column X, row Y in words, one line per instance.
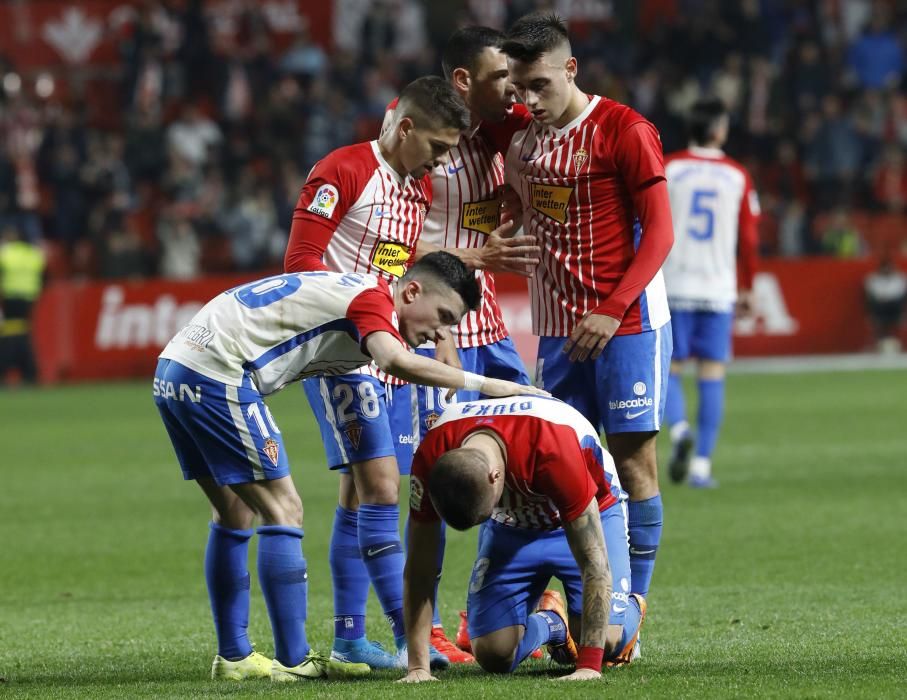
column 533, row 474
column 250, row 342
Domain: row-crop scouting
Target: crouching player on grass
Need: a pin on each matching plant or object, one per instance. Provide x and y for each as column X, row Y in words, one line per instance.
column 536, row 468
column 209, row 385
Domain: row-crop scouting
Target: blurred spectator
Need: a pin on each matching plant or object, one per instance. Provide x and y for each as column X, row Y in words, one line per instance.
column 833, row 152
column 21, row 278
column 886, row 292
column 841, row 237
column 890, row 182
column 877, row 57
column 122, row 253
column 180, row 248
column 193, row 135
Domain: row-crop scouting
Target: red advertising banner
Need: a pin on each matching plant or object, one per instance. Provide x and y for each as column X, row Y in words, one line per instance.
column 100, row 330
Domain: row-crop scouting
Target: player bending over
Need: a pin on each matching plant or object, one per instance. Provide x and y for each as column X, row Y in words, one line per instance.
column 209, row 385
column 536, row 468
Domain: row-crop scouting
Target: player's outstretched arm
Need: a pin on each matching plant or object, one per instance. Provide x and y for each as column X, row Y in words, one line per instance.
column 419, row 596
column 394, row 359
column 587, row 542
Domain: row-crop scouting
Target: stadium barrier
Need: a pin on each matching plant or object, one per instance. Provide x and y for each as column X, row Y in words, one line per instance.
column 100, row 330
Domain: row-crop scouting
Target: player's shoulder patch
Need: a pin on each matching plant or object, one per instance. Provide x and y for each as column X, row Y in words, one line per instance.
column 325, row 201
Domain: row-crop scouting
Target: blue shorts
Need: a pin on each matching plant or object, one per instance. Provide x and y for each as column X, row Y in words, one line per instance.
column 705, row 335
column 218, row 430
column 623, row 391
column 362, row 418
column 498, row 360
column 514, row 566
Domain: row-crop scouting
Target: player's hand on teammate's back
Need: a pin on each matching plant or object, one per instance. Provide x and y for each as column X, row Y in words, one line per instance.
column 504, row 252
column 419, row 675
column 590, row 336
column 580, row 674
column 497, row 388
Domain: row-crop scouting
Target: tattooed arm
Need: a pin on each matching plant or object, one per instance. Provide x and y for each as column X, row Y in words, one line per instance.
column 587, row 542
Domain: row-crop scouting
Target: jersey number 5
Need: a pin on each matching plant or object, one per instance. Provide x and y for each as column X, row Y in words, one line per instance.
column 703, row 208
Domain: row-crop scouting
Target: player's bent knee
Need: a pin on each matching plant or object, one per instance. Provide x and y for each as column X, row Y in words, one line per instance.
column 494, row 652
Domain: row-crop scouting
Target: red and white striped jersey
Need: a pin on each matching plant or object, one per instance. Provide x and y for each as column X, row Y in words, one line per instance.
column 576, row 184
column 715, row 209
column 357, row 214
column 360, row 213
column 555, row 463
column 464, row 211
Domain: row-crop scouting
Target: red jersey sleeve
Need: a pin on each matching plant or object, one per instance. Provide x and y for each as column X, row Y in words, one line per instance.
column 500, row 134
column 373, row 310
column 653, row 207
column 421, row 508
column 328, row 193
column 748, row 236
column 638, row 155
column 563, row 475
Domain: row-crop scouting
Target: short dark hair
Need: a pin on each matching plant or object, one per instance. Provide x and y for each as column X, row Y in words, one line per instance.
column 459, row 488
column 431, row 101
column 465, row 45
column 703, row 118
column 449, row 270
column 535, row 34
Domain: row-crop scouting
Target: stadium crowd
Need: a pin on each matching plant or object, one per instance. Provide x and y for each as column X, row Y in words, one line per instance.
column 201, row 168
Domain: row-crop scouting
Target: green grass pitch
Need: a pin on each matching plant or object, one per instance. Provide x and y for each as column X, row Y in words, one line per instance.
column 788, row 581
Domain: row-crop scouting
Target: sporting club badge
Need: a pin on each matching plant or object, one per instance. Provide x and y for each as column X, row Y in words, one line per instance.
column 354, row 433
column 272, row 449
column 431, row 419
column 579, row 158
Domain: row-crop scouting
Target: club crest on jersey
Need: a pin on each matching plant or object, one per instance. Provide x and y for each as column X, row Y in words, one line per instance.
column 272, row 449
column 354, row 433
column 579, row 158
column 480, row 216
column 325, row 200
column 431, row 419
column 391, row 257
column 550, row 200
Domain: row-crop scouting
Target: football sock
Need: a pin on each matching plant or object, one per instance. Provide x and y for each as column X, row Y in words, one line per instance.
column 283, row 579
column 675, row 406
column 379, row 543
column 711, row 410
column 541, row 627
column 227, row 574
column 442, row 542
column 644, row 521
column 700, row 468
column 349, row 575
column 632, row 616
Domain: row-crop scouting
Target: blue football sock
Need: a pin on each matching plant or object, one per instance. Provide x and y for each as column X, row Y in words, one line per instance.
column 442, row 542
column 675, row 405
column 632, row 616
column 644, row 521
column 283, row 579
column 379, row 544
column 711, row 411
column 227, row 574
column 349, row 575
column 541, row 627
